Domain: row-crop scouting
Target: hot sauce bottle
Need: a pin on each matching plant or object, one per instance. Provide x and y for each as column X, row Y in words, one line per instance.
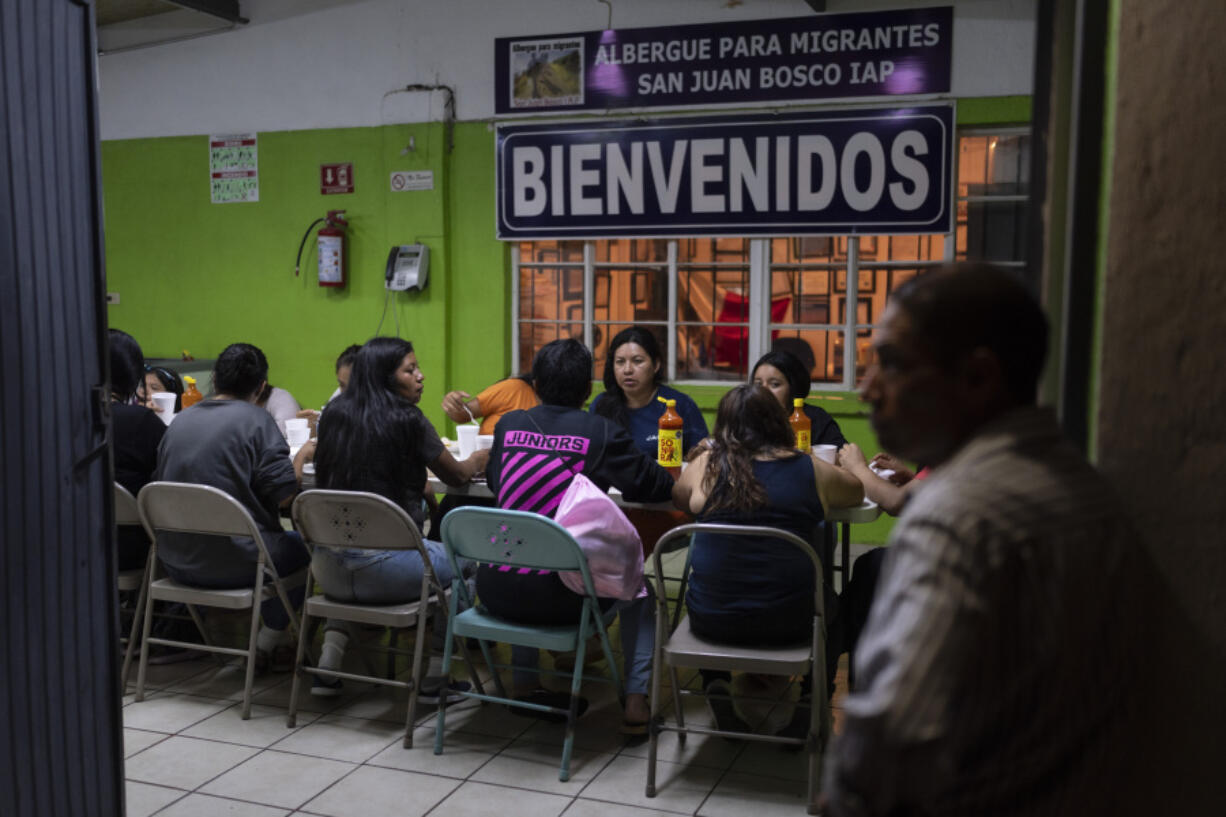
column 802, row 428
column 669, row 443
column 192, row 395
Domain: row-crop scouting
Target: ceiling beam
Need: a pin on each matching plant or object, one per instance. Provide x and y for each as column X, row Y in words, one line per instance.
column 227, row 10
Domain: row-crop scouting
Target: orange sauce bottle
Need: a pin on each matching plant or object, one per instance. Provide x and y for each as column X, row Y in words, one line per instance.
column 669, row 443
column 802, row 428
column 191, row 395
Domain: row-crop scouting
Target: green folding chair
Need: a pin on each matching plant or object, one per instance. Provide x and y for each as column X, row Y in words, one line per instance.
column 522, row 540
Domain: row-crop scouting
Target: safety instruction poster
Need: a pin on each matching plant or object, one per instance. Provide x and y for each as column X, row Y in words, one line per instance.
column 233, row 168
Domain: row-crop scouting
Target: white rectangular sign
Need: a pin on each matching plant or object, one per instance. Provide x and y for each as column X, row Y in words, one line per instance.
column 403, row 180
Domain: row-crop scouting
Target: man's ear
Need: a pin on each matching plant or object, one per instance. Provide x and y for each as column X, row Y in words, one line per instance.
column 983, row 377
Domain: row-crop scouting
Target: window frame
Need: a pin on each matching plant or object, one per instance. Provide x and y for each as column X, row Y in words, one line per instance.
column 760, row 269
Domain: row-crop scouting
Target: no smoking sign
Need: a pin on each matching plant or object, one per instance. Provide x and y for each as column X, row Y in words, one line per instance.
column 404, row 180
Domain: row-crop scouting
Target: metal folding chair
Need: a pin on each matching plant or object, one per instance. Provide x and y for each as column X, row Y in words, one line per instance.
column 128, row 514
column 186, row 508
column 522, row 540
column 354, row 519
column 677, row 646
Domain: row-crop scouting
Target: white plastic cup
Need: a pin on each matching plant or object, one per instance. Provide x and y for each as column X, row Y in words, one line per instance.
column 485, row 441
column 827, row 452
column 165, row 401
column 297, row 431
column 467, row 435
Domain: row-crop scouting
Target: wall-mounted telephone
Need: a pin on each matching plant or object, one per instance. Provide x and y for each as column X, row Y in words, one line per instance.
column 407, row 267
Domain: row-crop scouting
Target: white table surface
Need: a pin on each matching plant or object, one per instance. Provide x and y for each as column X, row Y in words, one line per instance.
column 866, row 511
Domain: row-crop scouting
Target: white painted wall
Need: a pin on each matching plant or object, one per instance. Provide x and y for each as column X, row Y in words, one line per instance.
column 303, row 64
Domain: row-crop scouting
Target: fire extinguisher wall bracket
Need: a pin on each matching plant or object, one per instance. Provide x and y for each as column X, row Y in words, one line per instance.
column 331, row 249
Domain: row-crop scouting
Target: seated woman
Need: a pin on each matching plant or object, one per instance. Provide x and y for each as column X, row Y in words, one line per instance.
column 604, row 453
column 374, row 438
column 739, row 592
column 159, row 378
column 633, row 379
column 492, row 402
column 344, row 368
column 783, row 375
column 136, row 433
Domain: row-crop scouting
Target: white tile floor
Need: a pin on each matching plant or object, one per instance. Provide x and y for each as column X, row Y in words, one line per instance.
column 189, row 753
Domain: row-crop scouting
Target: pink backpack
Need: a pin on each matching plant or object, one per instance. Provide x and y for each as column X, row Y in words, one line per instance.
column 612, row 545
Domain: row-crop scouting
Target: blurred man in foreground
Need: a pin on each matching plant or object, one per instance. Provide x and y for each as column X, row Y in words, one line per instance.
column 993, row 674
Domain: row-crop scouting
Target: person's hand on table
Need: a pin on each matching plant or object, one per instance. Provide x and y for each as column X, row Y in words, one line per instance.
column 312, row 418
column 699, row 448
column 888, row 462
column 479, row 459
column 305, row 454
column 851, row 457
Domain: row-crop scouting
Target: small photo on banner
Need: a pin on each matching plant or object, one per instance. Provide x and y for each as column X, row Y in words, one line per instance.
column 547, row 73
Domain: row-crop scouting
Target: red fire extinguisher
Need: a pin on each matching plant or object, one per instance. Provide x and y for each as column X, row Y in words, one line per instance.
column 330, row 246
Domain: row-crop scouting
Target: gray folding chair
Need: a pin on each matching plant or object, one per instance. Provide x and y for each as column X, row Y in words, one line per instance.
column 184, row 508
column 522, row 540
column 354, row 519
column 680, row 647
column 128, row 514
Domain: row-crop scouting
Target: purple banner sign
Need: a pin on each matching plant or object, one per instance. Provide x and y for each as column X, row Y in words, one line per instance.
column 825, row 56
column 829, row 172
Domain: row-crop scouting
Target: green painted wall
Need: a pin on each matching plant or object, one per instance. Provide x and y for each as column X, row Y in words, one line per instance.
column 197, row 276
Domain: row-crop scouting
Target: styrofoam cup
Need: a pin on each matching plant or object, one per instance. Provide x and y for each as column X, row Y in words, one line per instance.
column 297, row 431
column 485, row 441
column 165, row 402
column 827, row 452
column 467, row 435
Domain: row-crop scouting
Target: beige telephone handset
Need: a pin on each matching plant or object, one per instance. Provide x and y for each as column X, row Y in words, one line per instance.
column 407, row 267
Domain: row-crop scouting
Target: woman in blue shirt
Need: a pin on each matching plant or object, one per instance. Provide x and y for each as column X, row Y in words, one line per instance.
column 633, row 379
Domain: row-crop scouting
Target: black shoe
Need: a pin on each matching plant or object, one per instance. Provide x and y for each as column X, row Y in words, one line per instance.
column 545, row 697
column 722, row 711
column 326, row 687
column 454, row 691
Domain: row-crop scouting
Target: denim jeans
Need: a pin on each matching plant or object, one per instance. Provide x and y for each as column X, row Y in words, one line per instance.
column 638, row 636
column 380, row 576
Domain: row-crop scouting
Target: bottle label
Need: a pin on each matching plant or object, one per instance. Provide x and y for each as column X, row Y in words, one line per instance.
column 669, row 448
column 803, row 440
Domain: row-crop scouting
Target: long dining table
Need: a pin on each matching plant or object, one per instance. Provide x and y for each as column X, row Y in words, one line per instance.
column 866, row 511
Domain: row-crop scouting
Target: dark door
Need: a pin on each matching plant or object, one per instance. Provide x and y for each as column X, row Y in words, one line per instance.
column 60, row 727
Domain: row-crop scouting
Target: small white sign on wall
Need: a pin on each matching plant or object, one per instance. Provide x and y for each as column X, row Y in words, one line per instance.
column 403, row 180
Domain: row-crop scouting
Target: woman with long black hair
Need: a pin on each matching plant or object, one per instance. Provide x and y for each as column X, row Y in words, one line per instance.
column 374, row 438
column 136, row 433
column 740, row 591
